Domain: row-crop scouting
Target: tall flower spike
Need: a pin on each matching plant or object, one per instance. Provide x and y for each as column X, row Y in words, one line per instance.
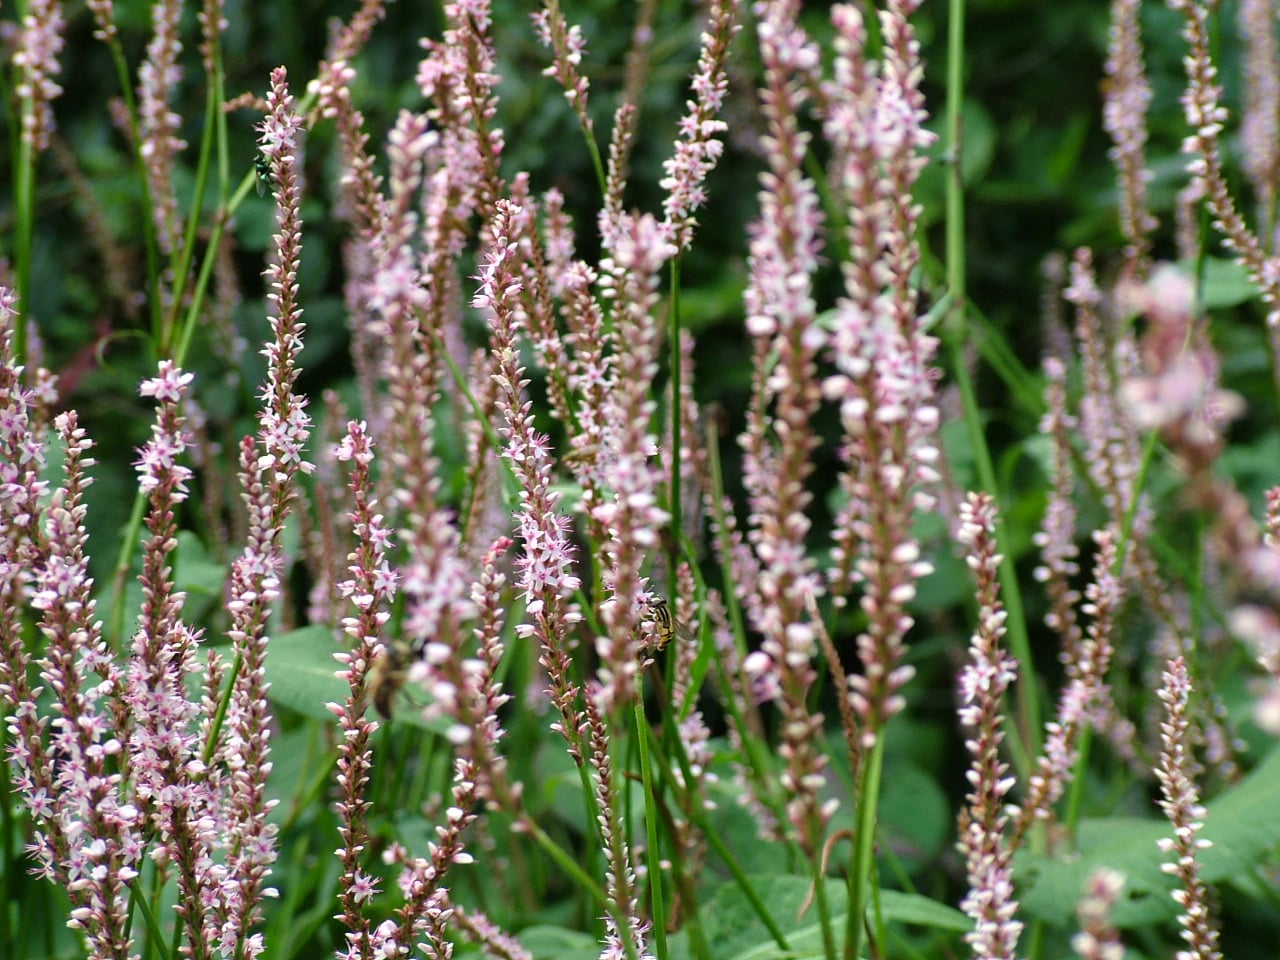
column 1207, row 117
column 782, row 317
column 268, row 471
column 459, row 76
column 630, row 511
column 546, row 567
column 283, row 422
column 567, row 45
column 884, row 382
column 165, row 742
column 1124, row 114
column 1180, row 801
column 371, row 589
column 90, row 839
column 983, row 682
column 1085, row 695
column 698, row 149
column 1098, row 939
column 158, row 125
column 1260, row 116
column 1056, row 536
column 36, row 58
column 625, row 931
column 22, row 549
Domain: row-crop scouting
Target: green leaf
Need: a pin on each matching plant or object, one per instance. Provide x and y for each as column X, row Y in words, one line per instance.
column 732, row 927
column 1226, row 282
column 303, row 677
column 920, row 911
column 736, row 933
column 303, row 673
column 914, row 814
column 195, row 572
column 557, row 943
column 1241, row 824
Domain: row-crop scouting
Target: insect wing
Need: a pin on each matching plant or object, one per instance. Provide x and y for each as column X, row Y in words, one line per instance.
column 262, row 167
column 386, row 677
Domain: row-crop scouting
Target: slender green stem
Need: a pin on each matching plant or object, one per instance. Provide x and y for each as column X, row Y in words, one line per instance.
column 1075, row 794
column 864, row 846
column 24, row 224
column 215, row 729
column 597, row 162
column 155, row 936
column 677, row 454
column 653, row 852
column 155, row 301
column 124, row 562
column 1024, row 740
column 955, row 226
column 569, row 865
column 823, row 903
column 187, row 253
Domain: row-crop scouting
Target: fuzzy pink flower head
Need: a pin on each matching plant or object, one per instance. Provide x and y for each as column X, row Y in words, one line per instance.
column 170, row 386
column 36, row 57
column 762, row 673
column 1180, row 386
column 640, row 244
column 1266, row 709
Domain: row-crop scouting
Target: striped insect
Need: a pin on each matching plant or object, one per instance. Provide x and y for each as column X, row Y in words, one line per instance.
column 658, row 626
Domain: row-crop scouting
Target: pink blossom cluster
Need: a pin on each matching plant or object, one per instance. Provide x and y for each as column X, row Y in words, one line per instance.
column 984, row 681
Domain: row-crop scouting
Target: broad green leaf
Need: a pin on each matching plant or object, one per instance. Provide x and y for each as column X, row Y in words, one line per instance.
column 303, row 673
column 735, row 932
column 914, row 814
column 1241, row 824
column 558, row 943
column 195, row 572
column 1226, row 282
column 921, row 911
column 303, row 677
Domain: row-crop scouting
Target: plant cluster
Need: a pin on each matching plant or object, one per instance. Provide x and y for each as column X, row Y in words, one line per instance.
column 493, row 635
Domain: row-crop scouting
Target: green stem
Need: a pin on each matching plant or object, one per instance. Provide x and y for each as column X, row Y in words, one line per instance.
column 864, row 845
column 187, row 253
column 653, row 853
column 24, row 224
column 124, row 562
column 215, row 729
column 155, row 304
column 819, row 881
column 677, row 458
column 155, row 936
column 1024, row 739
column 1075, row 794
column 568, row 865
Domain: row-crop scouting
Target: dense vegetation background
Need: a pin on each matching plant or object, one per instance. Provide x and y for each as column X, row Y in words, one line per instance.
column 1038, row 185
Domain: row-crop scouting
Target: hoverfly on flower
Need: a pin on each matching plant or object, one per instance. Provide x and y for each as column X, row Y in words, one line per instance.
column 262, row 167
column 658, row 626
